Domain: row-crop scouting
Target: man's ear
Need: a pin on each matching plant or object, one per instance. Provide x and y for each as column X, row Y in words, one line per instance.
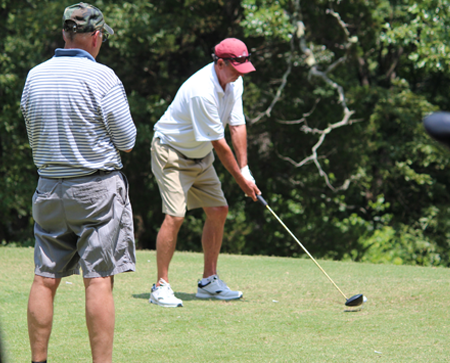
column 96, row 37
column 221, row 63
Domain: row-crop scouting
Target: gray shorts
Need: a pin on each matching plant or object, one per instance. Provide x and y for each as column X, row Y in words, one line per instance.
column 83, row 222
column 185, row 183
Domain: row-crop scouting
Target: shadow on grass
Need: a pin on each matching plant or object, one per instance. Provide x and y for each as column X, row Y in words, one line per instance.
column 185, row 296
column 352, row 310
column 145, row 296
column 181, row 295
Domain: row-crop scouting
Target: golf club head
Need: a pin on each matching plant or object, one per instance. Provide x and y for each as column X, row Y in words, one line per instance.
column 355, row 300
column 437, row 126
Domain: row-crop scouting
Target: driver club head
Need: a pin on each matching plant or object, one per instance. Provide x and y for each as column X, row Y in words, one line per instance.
column 355, row 300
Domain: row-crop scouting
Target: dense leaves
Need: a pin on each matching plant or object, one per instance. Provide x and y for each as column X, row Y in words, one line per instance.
column 334, row 118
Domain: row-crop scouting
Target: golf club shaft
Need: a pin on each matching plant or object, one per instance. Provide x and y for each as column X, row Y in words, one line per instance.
column 261, row 199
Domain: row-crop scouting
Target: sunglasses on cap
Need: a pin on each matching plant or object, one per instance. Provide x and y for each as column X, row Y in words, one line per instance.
column 104, row 35
column 240, row 59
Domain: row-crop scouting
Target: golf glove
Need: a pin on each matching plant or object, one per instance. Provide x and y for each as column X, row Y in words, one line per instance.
column 247, row 174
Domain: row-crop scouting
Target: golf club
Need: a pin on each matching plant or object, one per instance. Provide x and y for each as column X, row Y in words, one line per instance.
column 355, row 300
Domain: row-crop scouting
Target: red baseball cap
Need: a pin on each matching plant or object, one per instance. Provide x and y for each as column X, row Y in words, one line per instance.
column 236, row 52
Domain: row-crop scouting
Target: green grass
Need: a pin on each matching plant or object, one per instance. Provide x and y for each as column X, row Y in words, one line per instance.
column 290, row 313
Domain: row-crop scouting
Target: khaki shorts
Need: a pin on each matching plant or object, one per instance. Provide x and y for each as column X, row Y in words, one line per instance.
column 83, row 222
column 185, row 183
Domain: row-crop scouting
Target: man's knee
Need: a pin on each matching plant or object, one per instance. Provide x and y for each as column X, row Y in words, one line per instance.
column 104, row 284
column 46, row 282
column 173, row 223
column 217, row 213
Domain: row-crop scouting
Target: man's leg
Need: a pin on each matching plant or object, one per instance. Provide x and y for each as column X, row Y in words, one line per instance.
column 211, row 287
column 212, row 237
column 100, row 317
column 40, row 315
column 166, row 242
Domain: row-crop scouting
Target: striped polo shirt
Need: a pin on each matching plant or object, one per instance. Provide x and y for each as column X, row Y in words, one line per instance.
column 77, row 116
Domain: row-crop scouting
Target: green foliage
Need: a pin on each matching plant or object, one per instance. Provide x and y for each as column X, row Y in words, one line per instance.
column 19, row 51
column 424, row 28
column 404, row 245
column 390, row 200
column 267, row 19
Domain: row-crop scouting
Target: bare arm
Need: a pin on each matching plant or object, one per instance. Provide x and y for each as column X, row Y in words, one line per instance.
column 228, row 160
column 239, row 140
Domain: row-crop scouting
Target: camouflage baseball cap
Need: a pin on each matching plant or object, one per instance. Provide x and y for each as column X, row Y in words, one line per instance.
column 84, row 18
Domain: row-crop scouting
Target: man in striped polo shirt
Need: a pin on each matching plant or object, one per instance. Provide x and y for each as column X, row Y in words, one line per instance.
column 78, row 120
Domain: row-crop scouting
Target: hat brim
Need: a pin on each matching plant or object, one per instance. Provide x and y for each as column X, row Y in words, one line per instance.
column 108, row 29
column 243, row 68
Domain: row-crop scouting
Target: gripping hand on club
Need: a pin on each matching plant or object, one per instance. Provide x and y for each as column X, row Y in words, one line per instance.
column 228, row 160
column 249, row 188
column 248, row 176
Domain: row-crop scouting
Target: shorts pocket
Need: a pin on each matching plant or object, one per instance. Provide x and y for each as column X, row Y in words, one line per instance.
column 122, row 188
column 90, row 192
column 40, row 195
column 160, row 155
column 44, row 190
column 44, row 202
column 39, row 200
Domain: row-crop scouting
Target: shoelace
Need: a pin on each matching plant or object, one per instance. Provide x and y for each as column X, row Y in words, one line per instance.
column 222, row 285
column 165, row 285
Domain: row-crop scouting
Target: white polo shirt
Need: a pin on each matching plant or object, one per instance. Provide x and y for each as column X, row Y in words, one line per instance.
column 199, row 113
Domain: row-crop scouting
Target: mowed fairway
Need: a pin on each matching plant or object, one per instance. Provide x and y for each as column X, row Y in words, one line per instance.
column 290, row 313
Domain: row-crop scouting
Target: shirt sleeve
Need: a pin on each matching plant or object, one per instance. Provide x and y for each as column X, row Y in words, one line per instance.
column 117, row 118
column 237, row 113
column 24, row 109
column 205, row 120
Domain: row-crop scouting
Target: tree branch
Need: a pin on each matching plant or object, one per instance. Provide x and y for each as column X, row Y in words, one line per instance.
column 280, row 89
column 314, row 71
column 303, row 119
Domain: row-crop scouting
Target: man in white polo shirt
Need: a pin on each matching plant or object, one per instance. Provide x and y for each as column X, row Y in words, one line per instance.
column 182, row 162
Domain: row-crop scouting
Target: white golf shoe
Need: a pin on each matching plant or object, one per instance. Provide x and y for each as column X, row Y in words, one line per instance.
column 163, row 295
column 216, row 289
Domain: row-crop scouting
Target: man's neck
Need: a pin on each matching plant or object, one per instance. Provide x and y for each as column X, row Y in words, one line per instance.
column 221, row 82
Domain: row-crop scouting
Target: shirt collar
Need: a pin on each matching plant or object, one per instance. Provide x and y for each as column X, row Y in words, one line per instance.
column 73, row 52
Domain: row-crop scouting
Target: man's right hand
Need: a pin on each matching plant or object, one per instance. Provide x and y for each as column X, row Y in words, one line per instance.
column 250, row 189
column 228, row 160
